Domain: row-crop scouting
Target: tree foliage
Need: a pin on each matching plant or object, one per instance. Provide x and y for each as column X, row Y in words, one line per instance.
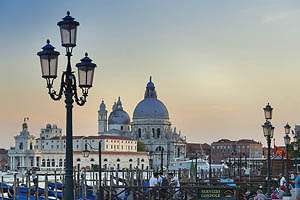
column 141, row 147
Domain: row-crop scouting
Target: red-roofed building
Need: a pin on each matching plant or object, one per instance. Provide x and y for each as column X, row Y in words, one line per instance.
column 118, row 151
column 202, row 150
column 225, row 149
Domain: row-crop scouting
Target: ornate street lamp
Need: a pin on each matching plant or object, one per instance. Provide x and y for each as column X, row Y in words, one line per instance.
column 287, row 141
column 68, row 31
column 86, row 153
column 68, row 86
column 268, row 112
column 296, row 152
column 268, row 131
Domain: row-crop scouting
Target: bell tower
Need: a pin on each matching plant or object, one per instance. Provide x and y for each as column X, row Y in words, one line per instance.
column 102, row 119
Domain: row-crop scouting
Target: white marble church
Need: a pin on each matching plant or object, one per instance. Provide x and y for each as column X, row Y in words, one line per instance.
column 118, row 134
column 150, row 125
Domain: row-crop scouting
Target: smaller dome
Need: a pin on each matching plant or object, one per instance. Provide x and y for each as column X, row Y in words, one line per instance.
column 48, row 126
column 119, row 117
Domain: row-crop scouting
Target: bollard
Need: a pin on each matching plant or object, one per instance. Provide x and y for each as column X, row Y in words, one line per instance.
column 14, row 188
column 2, row 182
column 37, row 188
column 55, row 184
column 18, row 192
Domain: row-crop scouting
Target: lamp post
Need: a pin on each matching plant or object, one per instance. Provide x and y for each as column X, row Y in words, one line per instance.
column 296, row 152
column 196, row 166
column 86, row 153
column 68, row 85
column 268, row 131
column 162, row 160
column 151, row 159
column 209, row 171
column 229, row 166
column 287, row 141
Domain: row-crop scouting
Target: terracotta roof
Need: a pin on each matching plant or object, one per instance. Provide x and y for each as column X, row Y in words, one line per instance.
column 114, row 152
column 109, row 137
column 95, row 137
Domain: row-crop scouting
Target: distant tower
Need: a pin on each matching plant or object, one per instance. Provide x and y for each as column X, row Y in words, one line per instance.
column 102, row 119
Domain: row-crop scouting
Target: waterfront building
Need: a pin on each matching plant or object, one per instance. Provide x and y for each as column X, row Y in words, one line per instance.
column 150, row 124
column 202, row 150
column 48, row 152
column 21, row 156
column 224, row 148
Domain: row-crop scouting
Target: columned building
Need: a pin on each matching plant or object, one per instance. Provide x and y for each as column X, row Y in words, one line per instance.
column 48, row 151
column 150, row 124
column 22, row 155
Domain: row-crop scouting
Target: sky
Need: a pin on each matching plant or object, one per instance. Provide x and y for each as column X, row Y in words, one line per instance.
column 215, row 64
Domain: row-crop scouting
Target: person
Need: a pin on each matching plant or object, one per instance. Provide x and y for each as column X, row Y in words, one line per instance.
column 34, row 177
column 163, row 183
column 260, row 195
column 174, row 182
column 277, row 193
column 153, row 183
column 282, row 182
column 297, row 187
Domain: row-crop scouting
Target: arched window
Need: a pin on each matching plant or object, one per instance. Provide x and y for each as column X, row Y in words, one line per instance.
column 118, row 160
column 30, row 146
column 159, row 148
column 153, row 132
column 130, row 160
column 78, row 160
column 178, row 151
column 140, row 133
column 158, row 133
column 105, row 159
column 53, row 163
column 142, row 160
column 92, row 160
column 121, row 128
column 48, row 162
column 60, row 162
column 21, row 146
column 43, row 163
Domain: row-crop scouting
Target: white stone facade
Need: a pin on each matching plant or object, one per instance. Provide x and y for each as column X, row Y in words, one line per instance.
column 48, row 152
column 150, row 125
column 22, row 155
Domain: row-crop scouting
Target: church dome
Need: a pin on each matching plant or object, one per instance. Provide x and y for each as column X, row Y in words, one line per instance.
column 150, row 106
column 118, row 115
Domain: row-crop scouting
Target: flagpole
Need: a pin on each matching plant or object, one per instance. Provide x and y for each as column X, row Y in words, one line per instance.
column 274, row 147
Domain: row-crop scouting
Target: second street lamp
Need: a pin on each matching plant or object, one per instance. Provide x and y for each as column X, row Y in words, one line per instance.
column 85, row 154
column 268, row 131
column 68, row 86
column 287, row 141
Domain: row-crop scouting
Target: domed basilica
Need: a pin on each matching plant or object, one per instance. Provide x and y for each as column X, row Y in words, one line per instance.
column 150, row 125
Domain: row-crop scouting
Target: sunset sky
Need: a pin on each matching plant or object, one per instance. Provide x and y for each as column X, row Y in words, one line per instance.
column 215, row 64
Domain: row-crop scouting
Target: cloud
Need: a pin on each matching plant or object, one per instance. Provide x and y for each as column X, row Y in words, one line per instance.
column 280, row 16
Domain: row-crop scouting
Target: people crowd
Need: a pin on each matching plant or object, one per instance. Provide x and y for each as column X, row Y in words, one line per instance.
column 161, row 186
column 277, row 192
